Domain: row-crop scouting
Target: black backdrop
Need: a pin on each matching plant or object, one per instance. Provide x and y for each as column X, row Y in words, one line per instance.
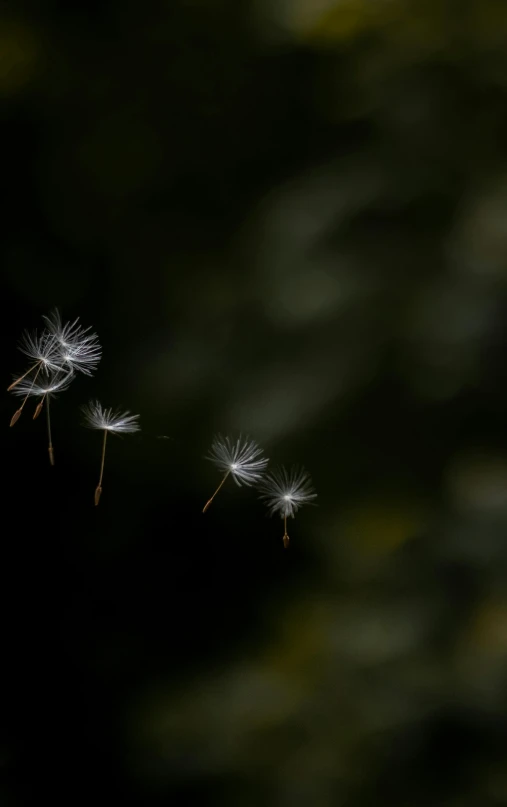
column 286, row 221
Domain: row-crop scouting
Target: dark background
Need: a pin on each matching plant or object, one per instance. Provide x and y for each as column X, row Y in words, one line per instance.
column 286, row 219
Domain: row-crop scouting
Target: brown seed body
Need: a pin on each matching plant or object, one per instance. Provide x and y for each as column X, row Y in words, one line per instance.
column 38, row 409
column 15, row 417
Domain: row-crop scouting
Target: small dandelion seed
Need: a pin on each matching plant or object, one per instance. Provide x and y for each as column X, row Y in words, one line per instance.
column 43, row 351
column 285, row 492
column 242, row 459
column 107, row 420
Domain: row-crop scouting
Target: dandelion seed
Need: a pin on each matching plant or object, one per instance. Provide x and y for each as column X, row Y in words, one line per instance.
column 242, row 459
column 78, row 348
column 45, row 390
column 44, row 351
column 107, row 420
column 285, row 492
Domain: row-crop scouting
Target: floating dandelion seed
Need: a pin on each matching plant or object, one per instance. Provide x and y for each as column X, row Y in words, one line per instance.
column 106, row 420
column 285, row 492
column 78, row 348
column 45, row 390
column 44, row 351
column 242, row 459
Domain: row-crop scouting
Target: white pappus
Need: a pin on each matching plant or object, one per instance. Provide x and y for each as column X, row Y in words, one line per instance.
column 243, row 459
column 285, row 491
column 98, row 417
column 42, row 349
column 55, row 383
column 78, row 348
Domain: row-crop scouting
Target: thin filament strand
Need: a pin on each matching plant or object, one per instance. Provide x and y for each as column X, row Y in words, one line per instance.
column 98, row 489
column 17, row 414
column 16, row 382
column 50, row 442
column 285, row 536
column 215, row 493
